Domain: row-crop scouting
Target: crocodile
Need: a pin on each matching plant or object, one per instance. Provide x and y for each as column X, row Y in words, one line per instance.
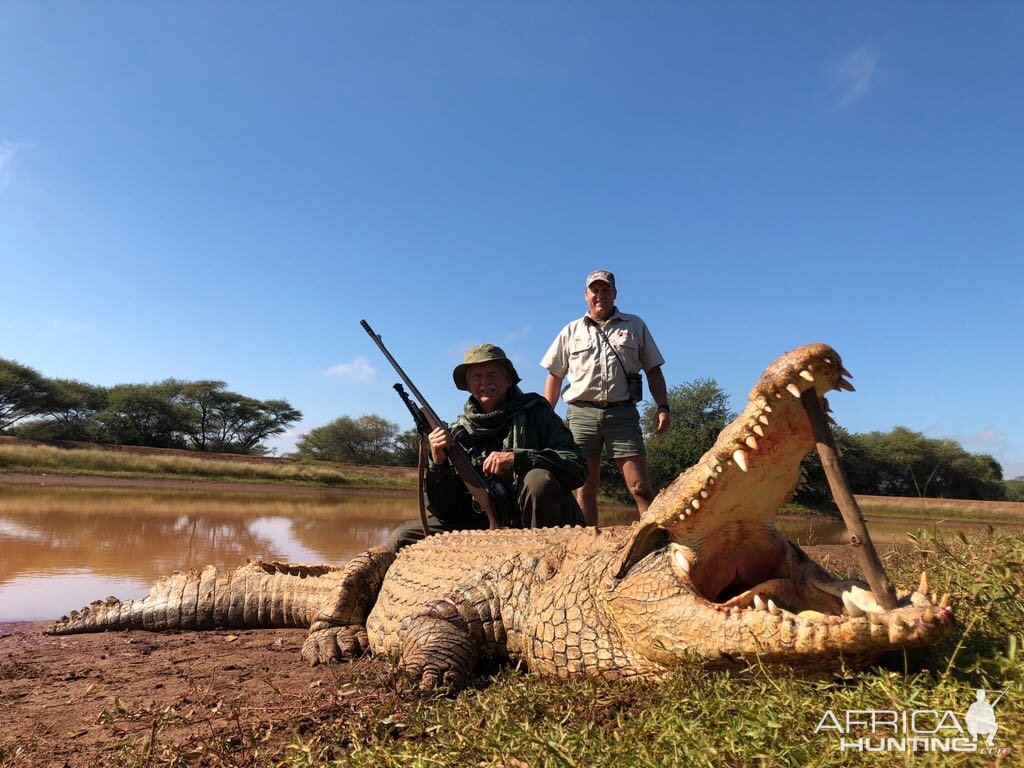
column 704, row 576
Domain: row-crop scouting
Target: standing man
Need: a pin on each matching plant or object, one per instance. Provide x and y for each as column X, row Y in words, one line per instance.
column 600, row 352
column 514, row 438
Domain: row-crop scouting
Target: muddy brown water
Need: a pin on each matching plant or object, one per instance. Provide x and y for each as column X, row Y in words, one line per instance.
column 62, row 547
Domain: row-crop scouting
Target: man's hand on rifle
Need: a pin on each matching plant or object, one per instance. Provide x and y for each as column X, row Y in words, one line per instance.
column 440, row 441
column 499, row 462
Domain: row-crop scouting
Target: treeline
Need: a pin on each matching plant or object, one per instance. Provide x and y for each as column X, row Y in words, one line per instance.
column 197, row 415
column 206, row 416
column 900, row 462
column 367, row 439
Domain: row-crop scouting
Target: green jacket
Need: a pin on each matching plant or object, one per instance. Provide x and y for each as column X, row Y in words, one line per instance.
column 528, row 427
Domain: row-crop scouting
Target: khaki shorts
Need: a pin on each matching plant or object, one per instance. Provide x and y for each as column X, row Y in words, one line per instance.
column 616, row 429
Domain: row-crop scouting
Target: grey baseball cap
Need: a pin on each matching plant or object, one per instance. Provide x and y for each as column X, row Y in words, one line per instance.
column 601, row 274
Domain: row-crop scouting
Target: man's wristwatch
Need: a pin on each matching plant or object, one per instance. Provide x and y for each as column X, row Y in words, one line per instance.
column 666, row 408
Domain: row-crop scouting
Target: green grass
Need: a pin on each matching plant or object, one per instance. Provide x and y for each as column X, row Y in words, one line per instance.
column 697, row 717
column 109, row 463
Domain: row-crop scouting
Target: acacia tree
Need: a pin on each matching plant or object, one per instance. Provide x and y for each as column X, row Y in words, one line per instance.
column 407, row 449
column 368, row 439
column 909, row 464
column 71, row 413
column 23, row 393
column 264, row 418
column 1014, row 488
column 215, row 419
column 198, row 400
column 142, row 414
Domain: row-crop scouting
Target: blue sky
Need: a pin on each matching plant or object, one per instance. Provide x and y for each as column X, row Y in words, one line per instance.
column 222, row 190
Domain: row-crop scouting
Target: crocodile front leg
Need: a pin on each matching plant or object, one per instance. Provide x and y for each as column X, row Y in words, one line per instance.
column 442, row 644
column 339, row 630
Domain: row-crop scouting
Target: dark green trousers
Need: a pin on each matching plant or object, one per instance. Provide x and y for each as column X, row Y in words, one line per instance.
column 540, row 506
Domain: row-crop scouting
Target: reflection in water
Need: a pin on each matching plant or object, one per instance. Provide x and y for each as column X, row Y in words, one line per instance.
column 61, row 548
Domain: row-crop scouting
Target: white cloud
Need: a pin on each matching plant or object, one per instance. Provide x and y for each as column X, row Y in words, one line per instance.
column 991, row 440
column 989, row 436
column 7, row 153
column 856, row 74
column 358, row 370
column 519, row 335
column 71, row 326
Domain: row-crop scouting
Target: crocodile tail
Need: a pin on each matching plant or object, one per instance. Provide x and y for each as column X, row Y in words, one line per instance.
column 257, row 595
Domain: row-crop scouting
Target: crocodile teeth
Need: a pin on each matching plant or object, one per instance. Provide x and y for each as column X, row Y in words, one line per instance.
column 923, row 588
column 807, row 375
column 759, row 603
column 740, row 457
column 773, row 609
column 793, row 389
column 703, row 494
column 852, row 608
column 695, row 503
column 767, row 409
column 763, row 419
column 758, row 430
column 844, row 384
column 919, row 599
column 863, row 599
column 751, row 442
column 718, row 468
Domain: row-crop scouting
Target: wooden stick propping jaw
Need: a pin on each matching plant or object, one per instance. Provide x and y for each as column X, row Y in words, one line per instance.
column 867, row 556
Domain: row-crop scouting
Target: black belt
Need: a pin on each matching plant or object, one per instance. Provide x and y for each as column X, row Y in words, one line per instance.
column 602, row 404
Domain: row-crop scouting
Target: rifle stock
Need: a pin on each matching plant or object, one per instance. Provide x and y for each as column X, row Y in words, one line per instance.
column 471, row 477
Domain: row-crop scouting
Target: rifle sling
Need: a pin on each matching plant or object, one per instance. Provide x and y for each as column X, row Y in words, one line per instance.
column 420, row 475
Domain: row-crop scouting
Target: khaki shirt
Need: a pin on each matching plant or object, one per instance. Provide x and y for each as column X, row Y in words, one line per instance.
column 593, row 372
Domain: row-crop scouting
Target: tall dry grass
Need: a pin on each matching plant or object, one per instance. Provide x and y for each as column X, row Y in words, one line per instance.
column 96, row 461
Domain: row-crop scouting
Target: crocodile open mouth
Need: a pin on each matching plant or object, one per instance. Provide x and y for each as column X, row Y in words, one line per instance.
column 716, row 524
column 793, row 587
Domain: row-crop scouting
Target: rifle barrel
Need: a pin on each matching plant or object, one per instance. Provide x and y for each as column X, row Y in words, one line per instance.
column 394, row 363
column 477, row 485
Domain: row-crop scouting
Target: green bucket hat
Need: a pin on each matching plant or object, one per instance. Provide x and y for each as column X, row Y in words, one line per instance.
column 482, row 353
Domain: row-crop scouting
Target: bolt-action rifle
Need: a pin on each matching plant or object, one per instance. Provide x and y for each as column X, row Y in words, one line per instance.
column 485, row 494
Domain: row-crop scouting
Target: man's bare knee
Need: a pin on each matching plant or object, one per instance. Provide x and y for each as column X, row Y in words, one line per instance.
column 642, row 490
